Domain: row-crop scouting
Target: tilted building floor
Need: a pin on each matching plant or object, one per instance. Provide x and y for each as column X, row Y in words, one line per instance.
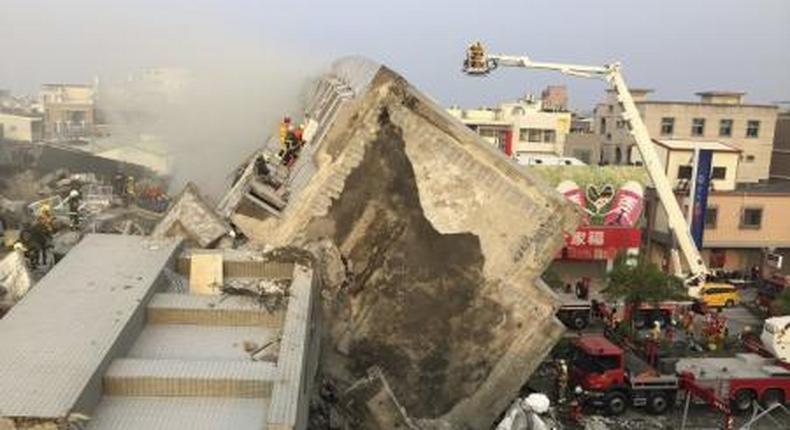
column 106, row 335
column 445, row 240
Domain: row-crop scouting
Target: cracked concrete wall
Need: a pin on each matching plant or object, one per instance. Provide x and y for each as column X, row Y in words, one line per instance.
column 446, row 240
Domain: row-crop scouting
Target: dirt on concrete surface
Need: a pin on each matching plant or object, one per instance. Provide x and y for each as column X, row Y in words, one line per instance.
column 440, row 241
column 408, row 279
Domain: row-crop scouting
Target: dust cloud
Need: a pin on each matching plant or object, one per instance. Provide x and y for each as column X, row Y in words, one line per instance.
column 174, row 78
column 207, row 114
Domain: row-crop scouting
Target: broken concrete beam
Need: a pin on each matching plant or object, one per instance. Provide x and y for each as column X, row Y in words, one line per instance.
column 192, row 218
column 443, row 239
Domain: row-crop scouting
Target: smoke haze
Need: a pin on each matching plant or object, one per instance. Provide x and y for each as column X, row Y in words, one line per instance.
column 222, row 95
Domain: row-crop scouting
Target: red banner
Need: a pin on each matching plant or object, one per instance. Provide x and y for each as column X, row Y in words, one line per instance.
column 599, row 242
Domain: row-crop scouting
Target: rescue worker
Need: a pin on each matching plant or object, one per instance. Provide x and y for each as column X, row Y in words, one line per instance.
column 129, row 191
column 118, row 182
column 46, row 219
column 292, row 147
column 285, row 126
column 655, row 332
column 74, row 200
column 577, row 405
column 476, row 56
column 562, row 380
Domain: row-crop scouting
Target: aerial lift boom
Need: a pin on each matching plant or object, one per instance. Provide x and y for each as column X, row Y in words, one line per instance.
column 479, row 63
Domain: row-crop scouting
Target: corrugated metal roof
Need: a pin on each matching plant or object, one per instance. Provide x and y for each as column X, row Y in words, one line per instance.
column 59, row 336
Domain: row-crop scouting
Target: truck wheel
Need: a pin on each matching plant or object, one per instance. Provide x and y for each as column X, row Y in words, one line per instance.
column 729, row 304
column 742, row 402
column 658, row 403
column 772, row 397
column 580, row 322
column 616, row 403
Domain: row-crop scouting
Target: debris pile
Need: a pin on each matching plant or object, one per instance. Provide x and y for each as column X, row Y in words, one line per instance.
column 434, row 313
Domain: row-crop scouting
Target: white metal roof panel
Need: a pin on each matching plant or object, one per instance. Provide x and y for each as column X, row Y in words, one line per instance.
column 59, row 336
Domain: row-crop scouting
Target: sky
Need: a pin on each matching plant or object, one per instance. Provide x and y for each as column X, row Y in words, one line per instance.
column 676, row 47
column 252, row 59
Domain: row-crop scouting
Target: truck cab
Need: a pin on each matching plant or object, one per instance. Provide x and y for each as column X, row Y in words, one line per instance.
column 597, row 364
column 614, row 379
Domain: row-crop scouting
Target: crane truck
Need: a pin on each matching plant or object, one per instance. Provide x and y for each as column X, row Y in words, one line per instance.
column 617, row 379
column 479, row 62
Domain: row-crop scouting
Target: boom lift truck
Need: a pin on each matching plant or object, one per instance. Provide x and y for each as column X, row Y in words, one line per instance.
column 479, row 63
column 623, row 383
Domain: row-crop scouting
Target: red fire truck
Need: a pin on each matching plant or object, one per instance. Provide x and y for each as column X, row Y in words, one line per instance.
column 615, row 379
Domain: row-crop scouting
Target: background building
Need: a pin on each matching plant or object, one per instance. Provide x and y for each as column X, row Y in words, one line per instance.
column 555, row 98
column 582, row 142
column 20, row 127
column 744, row 221
column 780, row 161
column 519, row 128
column 717, row 115
column 68, row 111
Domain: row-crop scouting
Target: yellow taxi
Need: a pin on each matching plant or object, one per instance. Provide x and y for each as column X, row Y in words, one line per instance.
column 717, row 295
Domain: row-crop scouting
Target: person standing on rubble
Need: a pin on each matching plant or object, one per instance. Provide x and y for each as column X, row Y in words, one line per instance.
column 562, row 380
column 74, row 200
column 118, row 182
column 285, row 127
column 129, row 191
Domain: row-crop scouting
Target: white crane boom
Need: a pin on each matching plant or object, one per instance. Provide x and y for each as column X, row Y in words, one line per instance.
column 479, row 63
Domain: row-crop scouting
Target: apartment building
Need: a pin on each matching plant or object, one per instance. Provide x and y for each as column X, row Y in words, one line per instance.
column 780, row 163
column 744, row 221
column 519, row 128
column 718, row 115
column 68, row 111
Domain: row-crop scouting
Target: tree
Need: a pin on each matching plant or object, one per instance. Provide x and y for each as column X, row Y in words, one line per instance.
column 642, row 283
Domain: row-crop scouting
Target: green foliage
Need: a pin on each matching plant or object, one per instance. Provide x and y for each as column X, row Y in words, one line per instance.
column 643, row 283
column 781, row 306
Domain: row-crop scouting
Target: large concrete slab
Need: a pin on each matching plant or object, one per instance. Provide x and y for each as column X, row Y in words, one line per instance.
column 195, row 413
column 58, row 340
column 445, row 238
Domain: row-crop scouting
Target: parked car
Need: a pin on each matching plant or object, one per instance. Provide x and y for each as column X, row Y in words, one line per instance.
column 717, row 295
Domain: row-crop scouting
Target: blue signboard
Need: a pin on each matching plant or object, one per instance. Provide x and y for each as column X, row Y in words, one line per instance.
column 700, row 197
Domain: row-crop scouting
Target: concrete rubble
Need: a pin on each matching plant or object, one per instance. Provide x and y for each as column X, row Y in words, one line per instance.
column 430, row 246
column 191, row 217
column 15, row 280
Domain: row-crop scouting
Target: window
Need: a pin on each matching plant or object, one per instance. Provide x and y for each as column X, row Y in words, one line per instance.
column 684, row 172
column 751, row 218
column 752, row 128
column 698, row 127
column 711, row 217
column 667, row 126
column 719, row 173
column 603, row 125
column 725, row 128
column 535, row 135
column 618, row 155
column 518, row 111
column 749, row 158
column 549, row 136
column 611, row 108
column 523, row 134
column 620, row 123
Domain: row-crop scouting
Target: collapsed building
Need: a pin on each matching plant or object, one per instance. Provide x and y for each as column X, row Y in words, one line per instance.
column 431, row 246
column 427, row 246
column 121, row 334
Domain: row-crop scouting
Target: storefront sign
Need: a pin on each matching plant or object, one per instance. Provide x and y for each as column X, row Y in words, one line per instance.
column 600, row 242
